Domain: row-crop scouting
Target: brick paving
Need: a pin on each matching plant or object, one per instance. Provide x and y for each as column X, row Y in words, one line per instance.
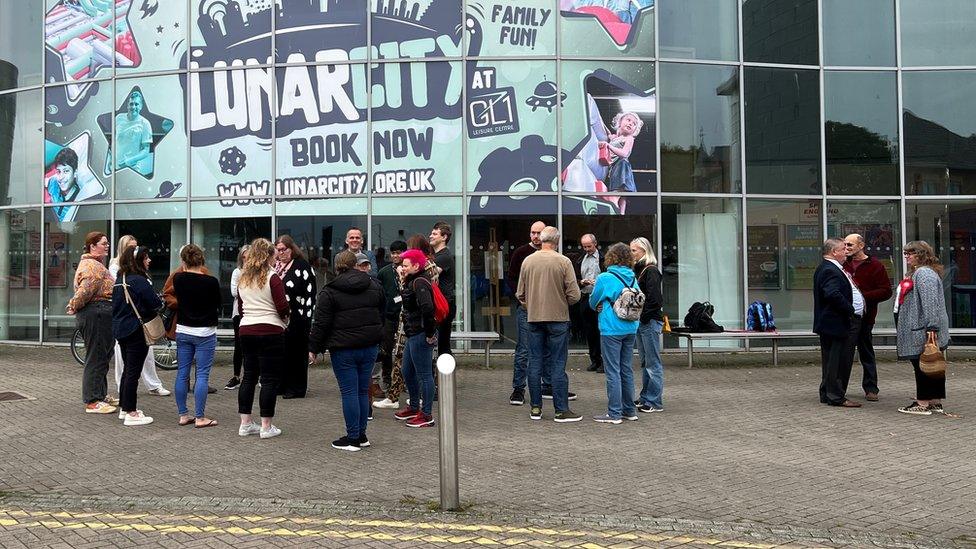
column 743, row 452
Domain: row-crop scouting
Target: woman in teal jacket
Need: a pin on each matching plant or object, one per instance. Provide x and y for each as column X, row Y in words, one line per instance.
column 617, row 336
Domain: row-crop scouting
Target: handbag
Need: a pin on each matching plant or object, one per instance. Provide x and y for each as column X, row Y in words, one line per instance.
column 932, row 361
column 154, row 330
column 667, row 325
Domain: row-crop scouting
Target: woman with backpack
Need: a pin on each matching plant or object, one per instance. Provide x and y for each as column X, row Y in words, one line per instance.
column 619, row 303
column 420, row 330
column 650, row 327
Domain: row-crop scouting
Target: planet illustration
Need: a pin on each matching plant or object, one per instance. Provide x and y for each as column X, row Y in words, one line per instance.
column 546, row 95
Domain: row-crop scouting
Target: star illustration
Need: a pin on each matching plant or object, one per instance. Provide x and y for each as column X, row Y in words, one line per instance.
column 159, row 29
column 621, row 32
column 157, row 43
column 176, row 25
column 88, row 183
column 129, row 130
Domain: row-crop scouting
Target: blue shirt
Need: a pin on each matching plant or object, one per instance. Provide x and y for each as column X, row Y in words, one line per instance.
column 607, row 289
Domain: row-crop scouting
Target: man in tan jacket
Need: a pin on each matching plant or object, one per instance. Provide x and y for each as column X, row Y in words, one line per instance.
column 546, row 288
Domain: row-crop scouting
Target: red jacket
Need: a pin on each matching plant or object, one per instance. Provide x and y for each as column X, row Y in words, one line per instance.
column 872, row 280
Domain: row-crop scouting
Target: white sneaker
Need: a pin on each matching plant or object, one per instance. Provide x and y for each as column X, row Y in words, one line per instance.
column 271, row 432
column 249, row 429
column 386, row 404
column 138, row 419
column 161, row 391
column 122, row 414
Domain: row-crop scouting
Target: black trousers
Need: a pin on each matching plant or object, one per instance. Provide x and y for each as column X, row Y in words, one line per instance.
column 926, row 387
column 865, row 355
column 591, row 327
column 262, row 359
column 95, row 323
column 294, row 379
column 134, row 351
column 238, row 352
column 444, row 331
column 386, row 350
column 836, row 359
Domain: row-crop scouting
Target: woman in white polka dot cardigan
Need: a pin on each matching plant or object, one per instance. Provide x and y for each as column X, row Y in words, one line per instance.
column 299, row 279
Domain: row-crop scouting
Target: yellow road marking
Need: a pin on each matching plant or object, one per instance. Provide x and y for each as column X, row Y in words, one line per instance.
column 353, row 529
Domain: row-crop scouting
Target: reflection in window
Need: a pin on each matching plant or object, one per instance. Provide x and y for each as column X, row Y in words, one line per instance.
column 861, row 112
column 940, row 132
column 161, row 227
column 949, row 228
column 20, row 51
column 705, row 29
column 597, row 29
column 221, row 240
column 783, row 240
column 20, row 273
column 64, row 247
column 860, row 33
column 700, row 145
column 319, row 228
column 880, row 225
column 20, row 147
column 938, row 33
column 701, row 258
column 780, row 31
column 782, row 112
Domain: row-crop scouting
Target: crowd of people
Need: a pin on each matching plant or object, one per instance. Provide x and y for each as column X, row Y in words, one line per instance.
column 400, row 318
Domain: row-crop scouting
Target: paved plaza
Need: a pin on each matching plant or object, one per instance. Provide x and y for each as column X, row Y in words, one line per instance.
column 743, row 456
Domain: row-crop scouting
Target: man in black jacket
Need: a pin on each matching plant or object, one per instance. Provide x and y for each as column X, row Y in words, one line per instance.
column 837, row 310
column 348, row 321
column 587, row 267
column 390, row 281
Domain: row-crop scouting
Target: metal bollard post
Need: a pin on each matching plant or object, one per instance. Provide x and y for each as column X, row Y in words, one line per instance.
column 447, row 432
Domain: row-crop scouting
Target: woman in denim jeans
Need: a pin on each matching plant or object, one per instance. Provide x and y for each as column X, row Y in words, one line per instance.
column 421, row 333
column 651, row 324
column 198, row 307
column 617, row 335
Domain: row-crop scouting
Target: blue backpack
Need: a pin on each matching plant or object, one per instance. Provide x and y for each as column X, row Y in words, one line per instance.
column 759, row 317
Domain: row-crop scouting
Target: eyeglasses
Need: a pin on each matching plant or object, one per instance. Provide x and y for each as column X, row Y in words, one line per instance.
column 907, row 253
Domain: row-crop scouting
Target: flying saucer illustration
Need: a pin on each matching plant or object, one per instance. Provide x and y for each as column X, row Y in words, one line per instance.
column 546, row 95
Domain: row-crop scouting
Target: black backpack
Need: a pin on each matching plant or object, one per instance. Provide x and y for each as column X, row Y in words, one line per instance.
column 699, row 318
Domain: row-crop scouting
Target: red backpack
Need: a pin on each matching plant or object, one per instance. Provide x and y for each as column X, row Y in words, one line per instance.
column 441, row 306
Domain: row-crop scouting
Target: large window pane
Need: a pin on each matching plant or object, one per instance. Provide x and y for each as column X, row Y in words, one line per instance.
column 80, row 40
column 309, row 31
column 161, row 227
column 592, row 29
column 704, row 29
column 951, row 230
column 76, row 148
column 153, row 37
column 493, row 236
column 20, row 43
column 780, row 31
column 861, row 111
column 20, row 273
column 319, row 228
column 783, row 250
column 227, row 33
column 402, row 30
column 859, row 33
column 938, row 33
column 21, row 124
column 511, row 27
column 880, row 225
column 65, row 245
column 782, row 131
column 700, row 145
column 940, row 132
column 701, row 258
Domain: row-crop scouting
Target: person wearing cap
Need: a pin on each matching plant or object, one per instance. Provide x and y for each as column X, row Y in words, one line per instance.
column 420, row 330
column 362, row 263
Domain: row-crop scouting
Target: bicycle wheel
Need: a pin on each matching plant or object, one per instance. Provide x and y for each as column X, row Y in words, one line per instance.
column 165, row 355
column 78, row 347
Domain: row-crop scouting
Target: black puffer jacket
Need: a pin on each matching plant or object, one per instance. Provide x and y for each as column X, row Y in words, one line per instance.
column 348, row 314
column 418, row 306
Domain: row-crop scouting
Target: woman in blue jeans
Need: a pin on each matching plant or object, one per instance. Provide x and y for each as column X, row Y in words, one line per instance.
column 617, row 335
column 348, row 321
column 421, row 332
column 651, row 324
column 198, row 307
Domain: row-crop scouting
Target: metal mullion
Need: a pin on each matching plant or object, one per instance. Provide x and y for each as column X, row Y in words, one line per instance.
column 698, row 61
column 274, row 124
column 187, row 125
column 465, row 237
column 823, row 120
column 369, row 125
column 899, row 85
column 700, row 195
column 559, row 126
column 42, row 284
column 859, row 68
column 744, row 267
column 792, row 66
column 936, row 67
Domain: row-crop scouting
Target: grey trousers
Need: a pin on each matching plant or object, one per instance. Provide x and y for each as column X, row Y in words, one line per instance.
column 95, row 322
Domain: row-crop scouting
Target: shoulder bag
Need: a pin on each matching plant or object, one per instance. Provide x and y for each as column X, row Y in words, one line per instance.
column 154, row 330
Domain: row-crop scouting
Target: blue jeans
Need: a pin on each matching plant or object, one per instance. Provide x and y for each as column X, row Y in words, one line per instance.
column 353, row 369
column 418, row 373
column 520, row 367
column 188, row 348
column 649, row 348
column 548, row 347
column 618, row 362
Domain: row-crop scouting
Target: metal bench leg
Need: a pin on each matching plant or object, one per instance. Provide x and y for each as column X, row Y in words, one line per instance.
column 488, row 355
column 775, row 352
column 690, row 351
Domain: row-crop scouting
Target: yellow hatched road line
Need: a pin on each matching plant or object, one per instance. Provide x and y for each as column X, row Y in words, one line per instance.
column 352, row 529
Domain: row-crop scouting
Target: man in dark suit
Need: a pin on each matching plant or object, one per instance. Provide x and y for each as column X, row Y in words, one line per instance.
column 837, row 309
column 587, row 266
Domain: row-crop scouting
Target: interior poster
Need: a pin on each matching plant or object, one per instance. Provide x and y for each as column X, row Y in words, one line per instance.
column 763, row 256
column 803, row 245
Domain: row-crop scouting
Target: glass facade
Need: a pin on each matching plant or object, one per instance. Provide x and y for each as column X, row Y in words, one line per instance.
column 217, row 121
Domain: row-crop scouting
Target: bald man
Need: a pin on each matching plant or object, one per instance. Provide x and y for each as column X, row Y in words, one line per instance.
column 872, row 279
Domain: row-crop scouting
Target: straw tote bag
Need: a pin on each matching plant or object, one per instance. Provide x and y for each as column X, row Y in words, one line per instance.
column 154, row 330
column 932, row 361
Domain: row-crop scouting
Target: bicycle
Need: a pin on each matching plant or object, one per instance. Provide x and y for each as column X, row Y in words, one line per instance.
column 164, row 354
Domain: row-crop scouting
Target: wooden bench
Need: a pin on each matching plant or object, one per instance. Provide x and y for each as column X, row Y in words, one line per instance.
column 774, row 337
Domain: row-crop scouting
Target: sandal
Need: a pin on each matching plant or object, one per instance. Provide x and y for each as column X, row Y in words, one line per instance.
column 209, row 423
column 184, row 423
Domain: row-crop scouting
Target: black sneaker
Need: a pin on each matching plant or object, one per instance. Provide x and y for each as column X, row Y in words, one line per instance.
column 567, row 417
column 547, row 394
column 345, row 444
column 535, row 413
column 517, row 398
column 369, row 414
column 593, row 367
column 234, row 383
column 648, row 409
column 211, row 390
column 363, row 442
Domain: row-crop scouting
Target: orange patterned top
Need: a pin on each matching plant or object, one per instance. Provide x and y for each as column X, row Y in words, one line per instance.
column 93, row 282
